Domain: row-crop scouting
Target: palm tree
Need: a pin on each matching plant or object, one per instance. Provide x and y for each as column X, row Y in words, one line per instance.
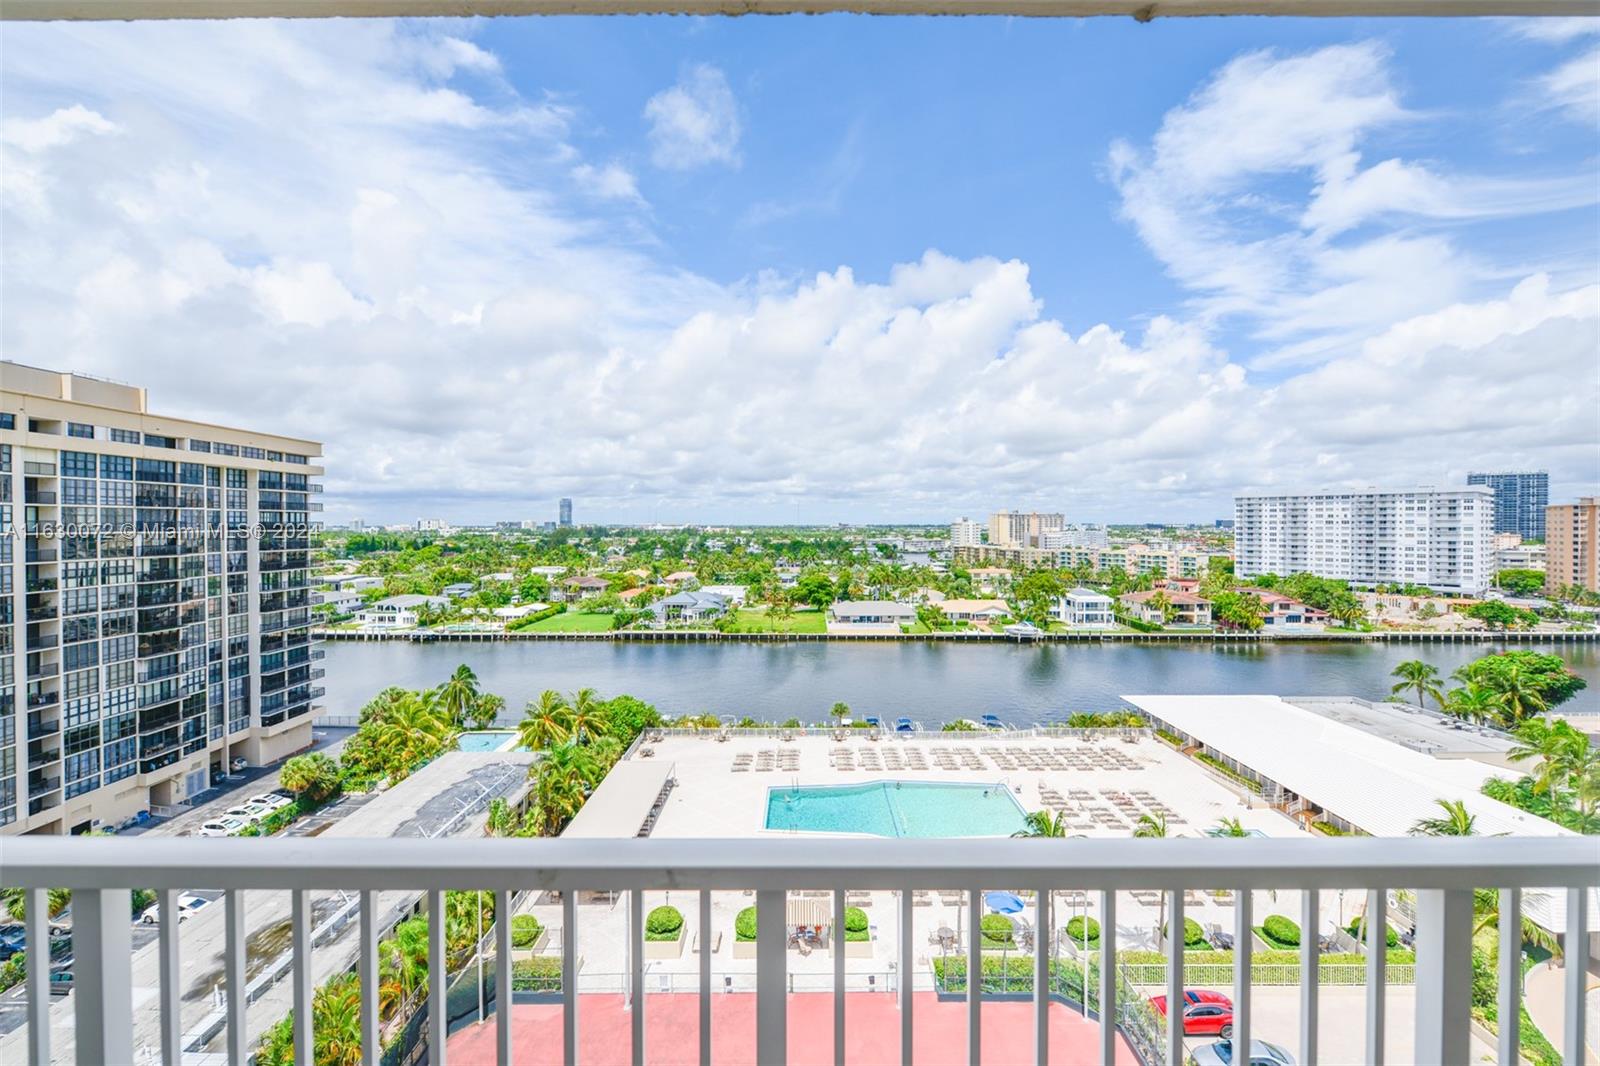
column 459, row 693
column 586, row 716
column 1162, row 603
column 336, row 1022
column 1563, row 753
column 485, row 709
column 1229, row 827
column 411, row 733
column 1475, row 702
column 544, row 724
column 1151, row 826
column 1521, row 693
column 1419, row 677
column 840, row 712
column 1486, row 915
column 402, row 964
column 562, row 781
column 1044, row 824
column 1456, row 821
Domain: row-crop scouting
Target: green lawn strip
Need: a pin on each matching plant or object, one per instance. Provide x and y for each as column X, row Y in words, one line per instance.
column 572, row 622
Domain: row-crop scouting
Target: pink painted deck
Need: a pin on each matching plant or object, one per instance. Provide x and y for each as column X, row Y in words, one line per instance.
column 872, row 1028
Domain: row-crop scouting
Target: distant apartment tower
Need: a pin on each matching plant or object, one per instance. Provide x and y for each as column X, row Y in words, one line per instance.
column 566, row 511
column 155, row 610
column 1572, row 545
column 1442, row 539
column 1520, row 500
column 1021, row 529
column 1075, row 536
column 966, row 533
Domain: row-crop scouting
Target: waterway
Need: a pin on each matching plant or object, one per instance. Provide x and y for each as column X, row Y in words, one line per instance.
column 930, row 682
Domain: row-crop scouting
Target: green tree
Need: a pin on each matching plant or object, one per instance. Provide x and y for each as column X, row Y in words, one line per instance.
column 816, row 588
column 458, row 694
column 1455, row 822
column 1520, row 582
column 840, row 711
column 1475, row 703
column 1043, row 824
column 485, row 710
column 586, row 716
column 1419, row 677
column 544, row 722
column 1230, row 827
column 1494, row 614
column 312, row 775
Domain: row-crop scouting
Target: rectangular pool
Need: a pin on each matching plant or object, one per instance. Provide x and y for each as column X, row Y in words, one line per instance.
column 897, row 809
column 487, row 740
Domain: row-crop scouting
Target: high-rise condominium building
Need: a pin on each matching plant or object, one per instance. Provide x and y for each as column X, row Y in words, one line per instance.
column 1519, row 501
column 1572, row 545
column 966, row 533
column 1021, row 529
column 155, row 610
column 1439, row 538
column 566, row 511
column 1075, row 536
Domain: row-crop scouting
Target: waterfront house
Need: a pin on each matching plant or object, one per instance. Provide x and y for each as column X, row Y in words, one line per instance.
column 1083, row 608
column 1284, row 610
column 1186, row 608
column 458, row 590
column 397, row 612
column 872, row 613
column 342, row 602
column 578, row 588
column 735, row 594
column 983, row 611
column 990, row 578
column 698, row 606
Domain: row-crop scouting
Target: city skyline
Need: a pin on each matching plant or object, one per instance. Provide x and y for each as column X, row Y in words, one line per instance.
column 669, row 296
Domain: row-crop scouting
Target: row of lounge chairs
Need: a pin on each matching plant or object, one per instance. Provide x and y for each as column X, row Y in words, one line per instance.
column 767, row 760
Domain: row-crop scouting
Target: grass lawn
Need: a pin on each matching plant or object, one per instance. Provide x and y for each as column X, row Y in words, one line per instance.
column 762, row 621
column 571, row 622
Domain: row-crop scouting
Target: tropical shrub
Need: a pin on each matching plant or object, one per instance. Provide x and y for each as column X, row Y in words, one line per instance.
column 525, row 930
column 1194, row 937
column 744, row 924
column 998, row 931
column 1279, row 930
column 542, row 973
column 856, row 924
column 1081, row 928
column 1358, row 929
column 663, row 923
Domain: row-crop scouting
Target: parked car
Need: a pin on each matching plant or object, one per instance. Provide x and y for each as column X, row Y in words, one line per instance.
column 60, row 981
column 221, row 827
column 248, row 813
column 1221, row 1054
column 272, row 801
column 187, row 905
column 1205, row 1013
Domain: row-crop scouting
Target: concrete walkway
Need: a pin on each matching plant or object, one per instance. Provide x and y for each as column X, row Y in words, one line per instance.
column 1544, row 993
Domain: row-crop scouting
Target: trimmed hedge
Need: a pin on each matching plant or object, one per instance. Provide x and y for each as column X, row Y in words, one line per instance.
column 998, row 931
column 542, row 973
column 1011, row 974
column 1271, row 967
column 856, row 926
column 1080, row 928
column 744, row 924
column 1194, row 937
column 663, row 923
column 1357, row 929
column 536, row 617
column 525, row 930
column 1280, row 931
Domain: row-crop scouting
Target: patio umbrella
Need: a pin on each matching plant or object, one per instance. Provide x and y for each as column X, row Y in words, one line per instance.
column 1004, row 902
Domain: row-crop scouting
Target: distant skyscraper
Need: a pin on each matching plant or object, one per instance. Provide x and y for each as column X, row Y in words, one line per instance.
column 1572, row 554
column 966, row 533
column 1021, row 529
column 566, row 511
column 1519, row 501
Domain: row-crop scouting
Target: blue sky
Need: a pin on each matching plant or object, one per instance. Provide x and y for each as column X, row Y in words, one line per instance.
column 826, row 268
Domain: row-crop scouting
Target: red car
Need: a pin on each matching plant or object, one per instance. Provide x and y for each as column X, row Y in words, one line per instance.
column 1205, row 1013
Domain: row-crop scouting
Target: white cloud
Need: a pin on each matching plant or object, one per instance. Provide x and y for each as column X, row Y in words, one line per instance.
column 613, row 181
column 1215, row 197
column 54, row 130
column 1574, row 87
column 475, row 340
column 694, row 122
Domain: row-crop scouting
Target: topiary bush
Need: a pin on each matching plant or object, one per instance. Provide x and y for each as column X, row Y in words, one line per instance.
column 1281, row 930
column 663, row 923
column 1193, row 935
column 1358, row 929
column 525, row 930
column 998, row 931
column 1081, row 928
column 856, row 925
column 744, row 924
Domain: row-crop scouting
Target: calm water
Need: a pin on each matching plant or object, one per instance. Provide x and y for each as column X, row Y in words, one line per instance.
column 897, row 809
column 931, row 683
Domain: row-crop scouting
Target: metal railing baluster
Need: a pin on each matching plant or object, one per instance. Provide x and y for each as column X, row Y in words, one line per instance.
column 1175, row 941
column 367, row 968
column 1377, row 932
column 1108, row 978
column 569, row 978
column 36, row 929
column 974, row 977
column 636, row 974
column 1577, row 974
column 171, row 1018
column 907, row 982
column 1242, row 932
column 1041, row 979
column 1310, row 990
column 1509, row 994
column 438, row 976
column 837, row 940
column 503, row 986
column 234, row 975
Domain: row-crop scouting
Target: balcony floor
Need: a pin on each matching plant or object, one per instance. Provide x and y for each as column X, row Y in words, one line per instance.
column 872, row 1025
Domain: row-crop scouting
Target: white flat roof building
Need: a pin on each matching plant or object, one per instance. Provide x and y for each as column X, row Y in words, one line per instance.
column 1442, row 539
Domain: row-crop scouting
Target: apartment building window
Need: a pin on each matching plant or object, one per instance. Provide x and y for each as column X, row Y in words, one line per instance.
column 116, row 467
column 74, row 491
column 5, row 458
column 78, row 601
column 290, row 457
column 8, row 420
column 80, row 684
column 77, row 464
column 80, row 656
column 199, row 445
column 86, row 627
column 155, row 440
column 237, row 479
column 78, row 429
column 253, row 453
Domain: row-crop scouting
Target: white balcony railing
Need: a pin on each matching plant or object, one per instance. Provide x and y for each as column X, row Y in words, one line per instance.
column 1441, row 873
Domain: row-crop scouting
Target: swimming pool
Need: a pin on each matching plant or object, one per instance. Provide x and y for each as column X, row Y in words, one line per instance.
column 897, row 809
column 487, row 740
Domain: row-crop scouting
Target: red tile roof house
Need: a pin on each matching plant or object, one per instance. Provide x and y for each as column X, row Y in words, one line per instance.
column 1187, row 608
column 1285, row 610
